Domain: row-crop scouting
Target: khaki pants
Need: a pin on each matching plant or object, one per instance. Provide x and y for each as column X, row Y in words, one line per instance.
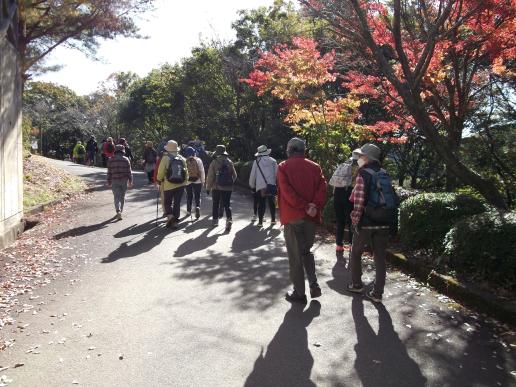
column 377, row 240
column 299, row 238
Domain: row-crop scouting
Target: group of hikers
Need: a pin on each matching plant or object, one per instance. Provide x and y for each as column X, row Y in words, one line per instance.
column 364, row 200
column 87, row 153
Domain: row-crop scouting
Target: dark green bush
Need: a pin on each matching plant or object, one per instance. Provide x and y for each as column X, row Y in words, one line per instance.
column 243, row 170
column 426, row 218
column 484, row 246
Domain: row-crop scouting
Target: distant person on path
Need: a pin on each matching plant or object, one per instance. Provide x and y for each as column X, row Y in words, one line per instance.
column 91, row 150
column 375, row 209
column 220, row 181
column 342, row 181
column 196, row 180
column 263, row 180
column 150, row 157
column 128, row 152
column 79, row 153
column 108, row 151
column 302, row 195
column 173, row 177
column 119, row 177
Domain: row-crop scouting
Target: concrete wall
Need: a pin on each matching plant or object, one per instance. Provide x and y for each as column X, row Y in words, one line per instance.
column 11, row 149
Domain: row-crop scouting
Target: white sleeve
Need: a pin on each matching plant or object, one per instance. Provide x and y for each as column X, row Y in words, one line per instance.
column 201, row 169
column 252, row 176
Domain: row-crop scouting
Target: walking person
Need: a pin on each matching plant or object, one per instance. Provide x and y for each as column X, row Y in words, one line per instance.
column 128, row 152
column 119, row 178
column 172, row 177
column 374, row 210
column 220, row 181
column 150, row 157
column 302, row 195
column 108, row 151
column 196, row 181
column 79, row 153
column 342, row 181
column 263, row 180
column 91, row 150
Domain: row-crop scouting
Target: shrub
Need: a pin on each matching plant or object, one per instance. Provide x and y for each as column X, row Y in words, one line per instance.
column 484, row 245
column 426, row 218
column 243, row 170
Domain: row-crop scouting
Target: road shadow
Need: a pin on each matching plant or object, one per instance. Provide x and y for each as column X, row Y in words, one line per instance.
column 149, row 240
column 136, row 229
column 382, row 359
column 83, row 230
column 253, row 278
column 201, row 242
column 251, row 237
column 287, row 360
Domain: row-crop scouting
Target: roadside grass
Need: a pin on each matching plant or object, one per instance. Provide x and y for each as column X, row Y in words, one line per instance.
column 45, row 183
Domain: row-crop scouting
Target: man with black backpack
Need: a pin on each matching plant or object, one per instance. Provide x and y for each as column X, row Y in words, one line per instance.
column 173, row 176
column 220, row 180
column 374, row 211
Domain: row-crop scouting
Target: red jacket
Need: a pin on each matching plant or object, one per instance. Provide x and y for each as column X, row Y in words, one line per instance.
column 300, row 182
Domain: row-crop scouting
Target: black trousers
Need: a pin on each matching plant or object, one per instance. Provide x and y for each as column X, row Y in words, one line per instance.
column 173, row 201
column 150, row 176
column 256, row 201
column 223, row 197
column 262, row 204
column 343, row 208
column 193, row 190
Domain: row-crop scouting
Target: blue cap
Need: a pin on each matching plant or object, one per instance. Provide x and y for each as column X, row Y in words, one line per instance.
column 189, row 152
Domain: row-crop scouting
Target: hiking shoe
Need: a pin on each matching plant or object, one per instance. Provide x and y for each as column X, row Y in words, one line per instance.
column 118, row 215
column 260, row 224
column 315, row 291
column 292, row 296
column 215, row 222
column 229, row 223
column 197, row 212
column 355, row 288
column 254, row 218
column 171, row 221
column 373, row 297
column 188, row 214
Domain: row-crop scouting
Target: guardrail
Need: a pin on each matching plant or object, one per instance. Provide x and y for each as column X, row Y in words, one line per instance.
column 9, row 20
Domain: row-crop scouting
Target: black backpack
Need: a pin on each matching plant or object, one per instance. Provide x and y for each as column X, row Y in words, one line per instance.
column 176, row 172
column 81, row 151
column 225, row 175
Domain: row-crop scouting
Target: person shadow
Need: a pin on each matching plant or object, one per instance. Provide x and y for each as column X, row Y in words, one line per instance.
column 251, row 237
column 201, row 242
column 83, row 230
column 288, row 361
column 382, row 359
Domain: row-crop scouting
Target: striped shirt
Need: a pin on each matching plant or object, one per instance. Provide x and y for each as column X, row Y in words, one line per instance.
column 119, row 168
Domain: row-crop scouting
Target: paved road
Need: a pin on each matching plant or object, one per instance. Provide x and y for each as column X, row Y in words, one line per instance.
column 200, row 307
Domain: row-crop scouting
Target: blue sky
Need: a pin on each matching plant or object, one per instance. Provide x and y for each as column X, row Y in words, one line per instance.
column 173, row 28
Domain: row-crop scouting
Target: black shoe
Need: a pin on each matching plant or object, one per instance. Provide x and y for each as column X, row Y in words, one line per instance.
column 172, row 222
column 197, row 212
column 315, row 291
column 292, row 296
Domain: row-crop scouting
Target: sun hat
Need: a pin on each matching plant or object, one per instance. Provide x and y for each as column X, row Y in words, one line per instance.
column 189, row 151
column 263, row 151
column 119, row 148
column 220, row 150
column 171, row 146
column 370, row 150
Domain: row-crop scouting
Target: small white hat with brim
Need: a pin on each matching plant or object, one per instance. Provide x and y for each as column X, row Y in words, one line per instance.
column 263, row 151
column 171, row 146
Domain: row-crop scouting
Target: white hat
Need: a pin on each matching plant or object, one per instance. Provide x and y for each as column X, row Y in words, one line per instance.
column 263, row 151
column 171, row 146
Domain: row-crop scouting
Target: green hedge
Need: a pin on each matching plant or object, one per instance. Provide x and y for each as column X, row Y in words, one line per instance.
column 484, row 246
column 426, row 218
column 243, row 169
column 329, row 219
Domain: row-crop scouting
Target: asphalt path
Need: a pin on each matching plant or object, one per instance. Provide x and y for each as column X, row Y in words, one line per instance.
column 148, row 306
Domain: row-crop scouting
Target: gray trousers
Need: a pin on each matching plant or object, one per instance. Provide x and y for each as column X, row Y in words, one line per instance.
column 377, row 240
column 299, row 238
column 119, row 188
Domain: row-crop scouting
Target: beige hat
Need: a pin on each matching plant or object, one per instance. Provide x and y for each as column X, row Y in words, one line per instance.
column 263, row 151
column 171, row 146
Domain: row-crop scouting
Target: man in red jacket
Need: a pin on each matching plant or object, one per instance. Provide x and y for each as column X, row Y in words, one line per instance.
column 302, row 195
